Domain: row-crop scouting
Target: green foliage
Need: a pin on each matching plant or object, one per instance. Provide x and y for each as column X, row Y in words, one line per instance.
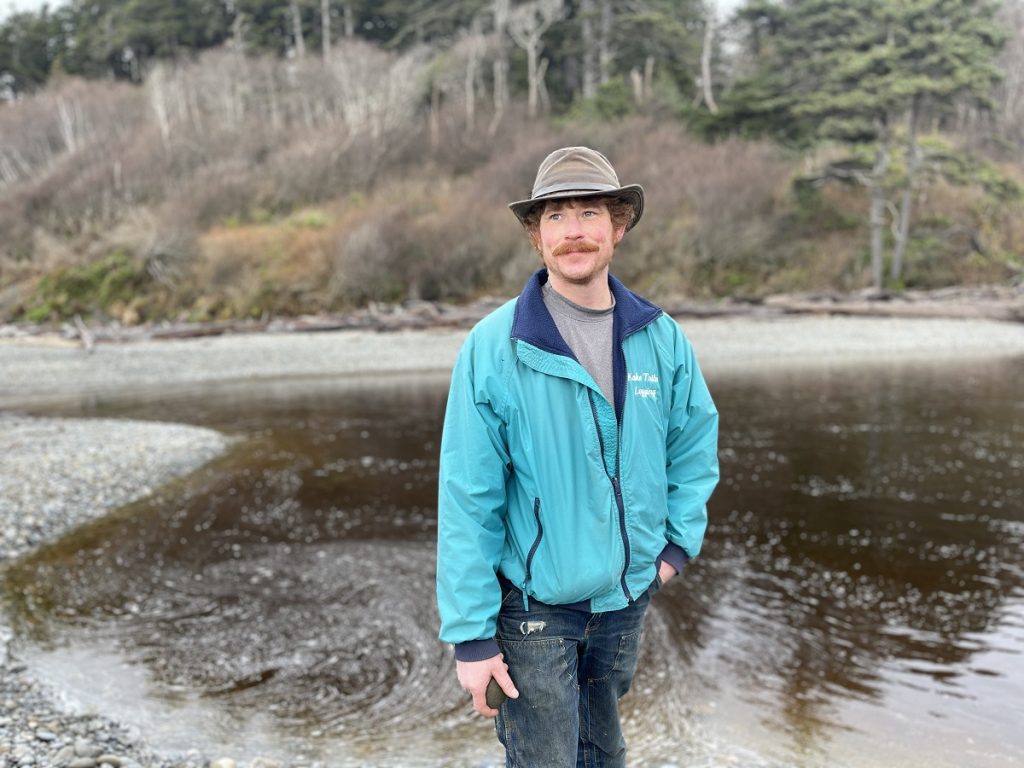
column 613, row 100
column 29, row 45
column 670, row 31
column 119, row 38
column 812, row 211
column 849, row 69
column 86, row 289
column 309, row 219
column 964, row 169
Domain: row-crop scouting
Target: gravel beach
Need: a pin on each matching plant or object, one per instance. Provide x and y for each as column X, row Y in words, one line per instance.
column 57, row 473
column 54, row 475
column 37, row 371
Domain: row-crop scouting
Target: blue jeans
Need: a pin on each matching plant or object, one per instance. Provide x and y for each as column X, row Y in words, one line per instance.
column 571, row 667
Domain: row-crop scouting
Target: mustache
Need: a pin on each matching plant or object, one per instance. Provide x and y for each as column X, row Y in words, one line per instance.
column 565, row 248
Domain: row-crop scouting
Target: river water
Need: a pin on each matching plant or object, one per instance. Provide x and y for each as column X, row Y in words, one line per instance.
column 859, row 602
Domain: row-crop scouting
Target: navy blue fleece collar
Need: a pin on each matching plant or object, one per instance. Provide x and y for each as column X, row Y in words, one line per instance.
column 533, row 324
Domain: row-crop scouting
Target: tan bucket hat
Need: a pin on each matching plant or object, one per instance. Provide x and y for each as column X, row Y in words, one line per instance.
column 578, row 172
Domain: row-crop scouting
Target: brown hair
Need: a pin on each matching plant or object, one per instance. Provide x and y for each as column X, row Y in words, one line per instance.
column 619, row 209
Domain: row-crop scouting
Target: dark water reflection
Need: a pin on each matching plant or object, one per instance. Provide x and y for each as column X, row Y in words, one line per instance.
column 860, row 600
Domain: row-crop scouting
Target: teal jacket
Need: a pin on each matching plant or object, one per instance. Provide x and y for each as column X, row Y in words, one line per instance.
column 572, row 499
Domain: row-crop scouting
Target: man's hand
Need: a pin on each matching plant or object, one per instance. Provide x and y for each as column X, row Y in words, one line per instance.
column 666, row 572
column 475, row 675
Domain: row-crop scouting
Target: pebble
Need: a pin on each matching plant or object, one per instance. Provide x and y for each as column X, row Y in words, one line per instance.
column 85, row 748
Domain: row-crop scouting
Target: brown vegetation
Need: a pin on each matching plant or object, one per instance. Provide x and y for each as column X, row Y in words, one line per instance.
column 239, row 186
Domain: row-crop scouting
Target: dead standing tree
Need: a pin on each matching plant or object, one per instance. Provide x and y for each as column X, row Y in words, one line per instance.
column 597, row 20
column 473, row 45
column 590, row 69
column 500, row 10
column 527, row 25
column 710, row 14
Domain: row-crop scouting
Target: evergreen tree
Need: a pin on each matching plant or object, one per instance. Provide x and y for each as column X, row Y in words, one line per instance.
column 861, row 72
column 29, row 45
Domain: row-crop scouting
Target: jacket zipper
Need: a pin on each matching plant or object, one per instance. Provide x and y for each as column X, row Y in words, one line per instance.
column 617, row 487
column 533, row 549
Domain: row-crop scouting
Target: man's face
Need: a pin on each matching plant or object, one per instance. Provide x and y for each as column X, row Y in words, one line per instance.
column 576, row 239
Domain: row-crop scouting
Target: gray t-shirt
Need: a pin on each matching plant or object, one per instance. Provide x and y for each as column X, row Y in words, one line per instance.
column 588, row 332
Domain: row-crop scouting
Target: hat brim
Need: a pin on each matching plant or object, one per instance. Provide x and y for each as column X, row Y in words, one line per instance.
column 632, row 193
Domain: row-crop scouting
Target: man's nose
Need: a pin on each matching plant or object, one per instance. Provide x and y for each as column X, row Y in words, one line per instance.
column 573, row 227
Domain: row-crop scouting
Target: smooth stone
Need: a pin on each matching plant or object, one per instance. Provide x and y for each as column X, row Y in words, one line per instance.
column 264, row 762
column 82, row 762
column 85, row 748
column 46, row 735
column 64, row 756
column 112, row 760
column 224, row 762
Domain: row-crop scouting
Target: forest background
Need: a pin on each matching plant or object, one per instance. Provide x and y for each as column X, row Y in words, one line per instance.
column 216, row 159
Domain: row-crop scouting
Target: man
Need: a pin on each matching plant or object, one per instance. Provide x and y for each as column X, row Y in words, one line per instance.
column 579, row 451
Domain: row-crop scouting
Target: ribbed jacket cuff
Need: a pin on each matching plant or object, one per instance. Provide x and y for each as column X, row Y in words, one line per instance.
column 476, row 650
column 674, row 555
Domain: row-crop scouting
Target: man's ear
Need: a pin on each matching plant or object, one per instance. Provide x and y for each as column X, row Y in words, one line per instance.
column 620, row 233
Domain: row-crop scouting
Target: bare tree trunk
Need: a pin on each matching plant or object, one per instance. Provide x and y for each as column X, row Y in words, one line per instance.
column 590, row 72
column 238, row 33
column 913, row 163
column 705, row 56
column 470, row 88
column 300, row 41
column 435, row 115
column 1010, row 90
column 472, row 68
column 527, row 26
column 531, row 78
column 637, row 81
column 500, row 9
column 350, row 20
column 542, row 88
column 158, row 98
column 878, row 204
column 325, row 26
column 605, row 53
column 275, row 114
column 68, row 116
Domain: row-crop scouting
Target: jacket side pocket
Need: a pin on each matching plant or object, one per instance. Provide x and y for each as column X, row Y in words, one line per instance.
column 536, row 541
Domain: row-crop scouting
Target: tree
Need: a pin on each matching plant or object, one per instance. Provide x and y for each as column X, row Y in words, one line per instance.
column 1010, row 93
column 29, row 45
column 527, row 24
column 860, row 73
column 663, row 34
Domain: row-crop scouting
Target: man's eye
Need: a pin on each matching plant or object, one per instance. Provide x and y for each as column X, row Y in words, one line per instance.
column 554, row 217
column 590, row 213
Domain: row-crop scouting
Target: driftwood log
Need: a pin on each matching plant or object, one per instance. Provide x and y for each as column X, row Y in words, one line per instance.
column 991, row 303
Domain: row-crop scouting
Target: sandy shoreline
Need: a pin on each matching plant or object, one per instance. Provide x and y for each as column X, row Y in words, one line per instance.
column 43, row 478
